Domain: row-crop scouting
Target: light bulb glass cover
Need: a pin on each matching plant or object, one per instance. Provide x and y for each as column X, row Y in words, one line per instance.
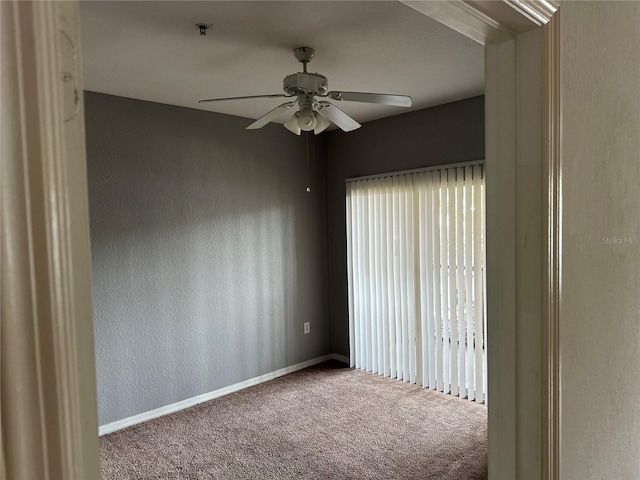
column 307, row 120
column 321, row 123
column 292, row 124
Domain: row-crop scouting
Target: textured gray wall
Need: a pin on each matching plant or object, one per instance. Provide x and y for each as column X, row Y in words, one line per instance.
column 435, row 136
column 208, row 254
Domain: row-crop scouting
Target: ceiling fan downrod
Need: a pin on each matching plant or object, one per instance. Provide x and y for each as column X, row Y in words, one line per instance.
column 304, row 56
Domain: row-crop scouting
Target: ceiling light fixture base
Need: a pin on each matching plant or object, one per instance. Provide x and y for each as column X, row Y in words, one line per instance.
column 304, row 54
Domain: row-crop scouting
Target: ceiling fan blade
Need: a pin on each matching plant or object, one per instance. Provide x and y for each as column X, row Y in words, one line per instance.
column 274, row 95
column 379, row 98
column 271, row 115
column 337, row 116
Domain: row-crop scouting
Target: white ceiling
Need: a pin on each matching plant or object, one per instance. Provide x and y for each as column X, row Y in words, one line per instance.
column 152, row 51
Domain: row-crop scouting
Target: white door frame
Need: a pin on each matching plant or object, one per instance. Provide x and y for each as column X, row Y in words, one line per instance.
column 49, row 421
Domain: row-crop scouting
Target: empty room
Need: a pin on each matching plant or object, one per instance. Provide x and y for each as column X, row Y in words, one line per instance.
column 241, row 266
column 297, row 290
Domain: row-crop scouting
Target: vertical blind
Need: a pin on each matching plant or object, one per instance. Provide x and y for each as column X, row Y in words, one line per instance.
column 416, row 278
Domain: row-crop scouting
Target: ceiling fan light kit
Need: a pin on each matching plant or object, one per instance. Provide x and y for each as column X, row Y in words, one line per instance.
column 292, row 124
column 322, row 124
column 313, row 114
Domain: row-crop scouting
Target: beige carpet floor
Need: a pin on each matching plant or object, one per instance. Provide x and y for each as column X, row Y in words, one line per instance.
column 324, row 422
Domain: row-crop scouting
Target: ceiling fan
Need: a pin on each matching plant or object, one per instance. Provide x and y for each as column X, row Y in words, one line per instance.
column 314, row 114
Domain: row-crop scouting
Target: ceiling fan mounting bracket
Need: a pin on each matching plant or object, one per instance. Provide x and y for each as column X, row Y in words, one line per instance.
column 304, row 54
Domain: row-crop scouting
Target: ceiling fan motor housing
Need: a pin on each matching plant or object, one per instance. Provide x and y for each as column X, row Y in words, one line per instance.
column 301, row 83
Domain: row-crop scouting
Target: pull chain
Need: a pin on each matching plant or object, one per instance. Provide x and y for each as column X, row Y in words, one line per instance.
column 308, row 163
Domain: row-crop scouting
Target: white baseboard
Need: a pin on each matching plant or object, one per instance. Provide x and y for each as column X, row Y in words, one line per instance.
column 340, row 358
column 190, row 402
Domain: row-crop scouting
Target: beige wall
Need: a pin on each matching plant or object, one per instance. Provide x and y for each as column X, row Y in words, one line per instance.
column 600, row 306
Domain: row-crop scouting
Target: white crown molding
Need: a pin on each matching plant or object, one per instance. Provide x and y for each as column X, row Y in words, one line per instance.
column 463, row 18
column 538, row 12
column 487, row 21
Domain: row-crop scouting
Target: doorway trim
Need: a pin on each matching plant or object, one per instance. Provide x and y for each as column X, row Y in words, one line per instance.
column 48, row 367
column 552, row 252
column 49, row 416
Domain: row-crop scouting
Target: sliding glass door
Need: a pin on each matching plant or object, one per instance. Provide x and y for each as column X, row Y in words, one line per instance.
column 416, row 275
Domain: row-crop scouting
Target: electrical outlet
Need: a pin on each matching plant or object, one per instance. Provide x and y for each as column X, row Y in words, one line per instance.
column 307, row 327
